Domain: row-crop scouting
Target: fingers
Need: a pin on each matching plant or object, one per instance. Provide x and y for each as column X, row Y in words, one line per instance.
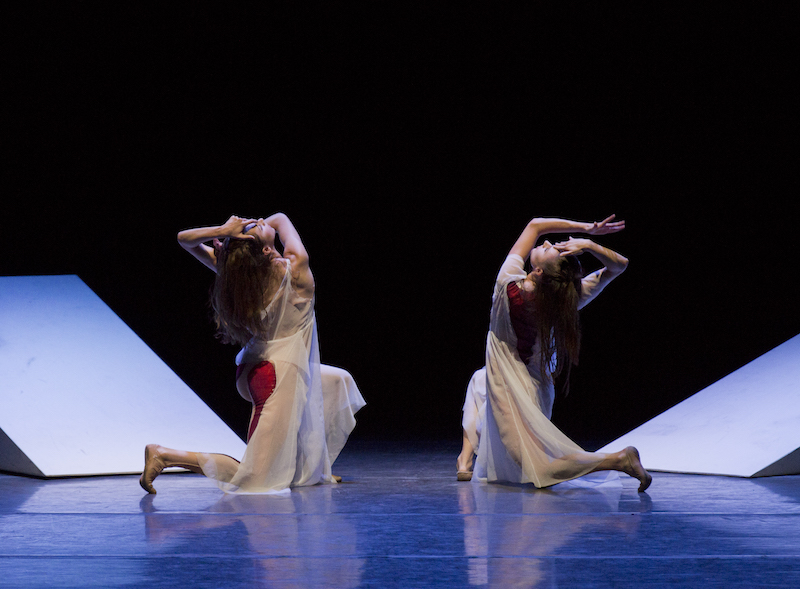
column 240, row 221
column 568, row 248
column 569, row 252
column 237, row 226
column 607, row 225
column 615, row 227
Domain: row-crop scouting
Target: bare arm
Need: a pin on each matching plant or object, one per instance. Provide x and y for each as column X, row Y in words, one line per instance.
column 541, row 226
column 194, row 240
column 292, row 244
column 614, row 262
column 293, row 248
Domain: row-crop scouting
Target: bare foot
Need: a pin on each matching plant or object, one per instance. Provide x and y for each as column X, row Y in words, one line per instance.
column 633, row 467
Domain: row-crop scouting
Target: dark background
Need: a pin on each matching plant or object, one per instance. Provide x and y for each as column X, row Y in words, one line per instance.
column 410, row 145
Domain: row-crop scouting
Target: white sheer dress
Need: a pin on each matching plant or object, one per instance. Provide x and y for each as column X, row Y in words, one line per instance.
column 508, row 404
column 305, row 422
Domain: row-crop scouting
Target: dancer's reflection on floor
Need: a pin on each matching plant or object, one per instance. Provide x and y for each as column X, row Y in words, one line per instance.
column 270, row 528
column 515, row 520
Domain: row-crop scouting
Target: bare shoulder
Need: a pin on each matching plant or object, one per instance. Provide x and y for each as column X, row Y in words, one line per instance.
column 302, row 277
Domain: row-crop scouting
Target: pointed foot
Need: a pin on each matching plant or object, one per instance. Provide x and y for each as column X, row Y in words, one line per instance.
column 153, row 465
column 635, row 468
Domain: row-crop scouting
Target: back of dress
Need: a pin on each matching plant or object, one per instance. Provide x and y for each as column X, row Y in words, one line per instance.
column 288, row 445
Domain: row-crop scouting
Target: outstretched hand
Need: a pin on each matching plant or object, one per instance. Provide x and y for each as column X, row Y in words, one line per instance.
column 235, row 226
column 606, row 226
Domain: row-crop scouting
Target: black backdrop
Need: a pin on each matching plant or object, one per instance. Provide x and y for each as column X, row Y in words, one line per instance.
column 410, row 146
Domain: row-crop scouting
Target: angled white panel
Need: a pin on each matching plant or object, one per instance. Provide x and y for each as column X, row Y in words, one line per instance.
column 745, row 424
column 81, row 394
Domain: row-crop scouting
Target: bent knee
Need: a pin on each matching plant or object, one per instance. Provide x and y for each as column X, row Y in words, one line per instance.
column 333, row 374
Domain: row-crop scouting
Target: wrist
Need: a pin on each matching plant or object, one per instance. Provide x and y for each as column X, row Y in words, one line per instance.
column 567, row 226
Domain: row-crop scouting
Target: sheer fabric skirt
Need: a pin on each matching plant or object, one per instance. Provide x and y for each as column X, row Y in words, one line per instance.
column 301, row 429
column 474, row 409
column 341, row 400
column 518, row 442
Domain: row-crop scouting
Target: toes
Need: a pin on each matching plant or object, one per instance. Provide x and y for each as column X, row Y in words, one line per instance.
column 147, row 486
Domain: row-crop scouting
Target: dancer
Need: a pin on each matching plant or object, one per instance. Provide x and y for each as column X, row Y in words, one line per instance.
column 534, row 336
column 264, row 301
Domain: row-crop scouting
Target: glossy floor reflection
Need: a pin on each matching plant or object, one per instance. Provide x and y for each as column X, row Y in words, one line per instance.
column 400, row 519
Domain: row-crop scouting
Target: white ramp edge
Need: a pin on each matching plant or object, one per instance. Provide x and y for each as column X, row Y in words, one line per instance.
column 746, row 424
column 82, row 394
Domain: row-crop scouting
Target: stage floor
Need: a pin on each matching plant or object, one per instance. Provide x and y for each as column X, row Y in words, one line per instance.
column 400, row 519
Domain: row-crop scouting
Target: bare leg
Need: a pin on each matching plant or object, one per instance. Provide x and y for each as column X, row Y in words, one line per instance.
column 157, row 458
column 464, row 461
column 626, row 461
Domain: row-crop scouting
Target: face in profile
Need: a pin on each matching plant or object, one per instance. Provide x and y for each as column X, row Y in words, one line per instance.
column 544, row 255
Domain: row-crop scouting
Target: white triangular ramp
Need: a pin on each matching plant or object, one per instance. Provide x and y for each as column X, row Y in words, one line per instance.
column 81, row 394
column 745, row 424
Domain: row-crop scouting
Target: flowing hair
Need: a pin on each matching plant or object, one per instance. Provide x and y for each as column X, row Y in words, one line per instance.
column 246, row 281
column 555, row 316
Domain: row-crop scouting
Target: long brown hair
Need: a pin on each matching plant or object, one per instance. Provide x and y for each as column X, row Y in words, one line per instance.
column 246, row 282
column 555, row 313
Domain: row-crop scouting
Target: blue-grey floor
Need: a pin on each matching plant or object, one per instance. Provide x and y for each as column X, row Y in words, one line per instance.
column 400, row 519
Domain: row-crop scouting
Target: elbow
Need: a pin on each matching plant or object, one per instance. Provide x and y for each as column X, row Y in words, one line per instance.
column 277, row 220
column 536, row 222
column 184, row 240
column 619, row 267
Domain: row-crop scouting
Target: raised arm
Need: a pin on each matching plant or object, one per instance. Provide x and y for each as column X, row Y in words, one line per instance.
column 194, row 240
column 613, row 262
column 541, row 226
column 293, row 248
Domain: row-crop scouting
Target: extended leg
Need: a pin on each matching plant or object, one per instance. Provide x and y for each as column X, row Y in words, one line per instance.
column 157, row 458
column 626, row 461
